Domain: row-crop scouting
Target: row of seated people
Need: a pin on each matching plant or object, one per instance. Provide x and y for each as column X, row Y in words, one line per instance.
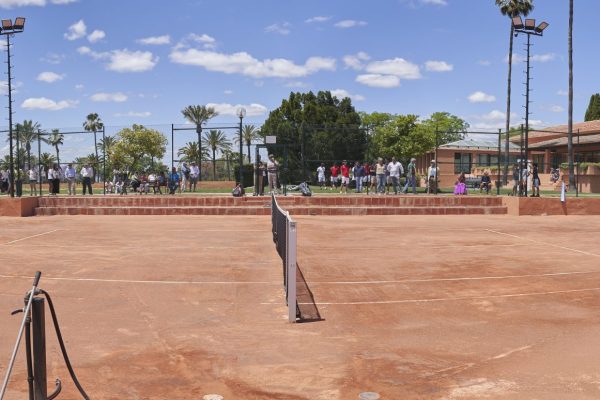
column 142, row 184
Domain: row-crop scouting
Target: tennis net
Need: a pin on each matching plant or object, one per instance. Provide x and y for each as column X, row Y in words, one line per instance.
column 284, row 236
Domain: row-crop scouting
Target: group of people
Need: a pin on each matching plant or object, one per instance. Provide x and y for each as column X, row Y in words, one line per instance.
column 380, row 176
column 178, row 180
column 54, row 174
column 526, row 179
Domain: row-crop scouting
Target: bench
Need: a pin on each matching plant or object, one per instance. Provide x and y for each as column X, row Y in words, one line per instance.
column 473, row 182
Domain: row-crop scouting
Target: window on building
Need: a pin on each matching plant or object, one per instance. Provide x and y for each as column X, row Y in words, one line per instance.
column 462, row 163
column 483, row 160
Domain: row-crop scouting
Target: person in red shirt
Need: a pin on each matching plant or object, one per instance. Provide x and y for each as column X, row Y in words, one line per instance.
column 345, row 177
column 335, row 171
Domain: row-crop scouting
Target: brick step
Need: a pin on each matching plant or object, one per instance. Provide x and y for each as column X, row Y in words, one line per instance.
column 221, row 201
column 296, row 210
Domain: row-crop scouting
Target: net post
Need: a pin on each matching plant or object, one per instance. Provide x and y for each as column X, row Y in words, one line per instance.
column 291, row 269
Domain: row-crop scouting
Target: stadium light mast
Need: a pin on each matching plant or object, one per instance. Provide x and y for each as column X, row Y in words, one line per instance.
column 8, row 29
column 241, row 113
column 528, row 28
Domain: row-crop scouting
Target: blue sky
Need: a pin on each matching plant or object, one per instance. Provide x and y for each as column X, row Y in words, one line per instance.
column 135, row 61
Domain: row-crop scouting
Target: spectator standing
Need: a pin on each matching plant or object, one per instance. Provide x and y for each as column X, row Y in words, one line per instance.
column 411, row 176
column 432, row 178
column 262, row 178
column 70, row 178
column 185, row 174
column 86, row 175
column 345, row 170
column 54, row 179
column 272, row 171
column 373, row 176
column 396, row 170
column 173, row 181
column 194, row 176
column 359, row 173
column 367, row 177
column 334, row 176
column 515, row 173
column 380, row 173
column 33, row 177
column 321, row 176
column 536, row 181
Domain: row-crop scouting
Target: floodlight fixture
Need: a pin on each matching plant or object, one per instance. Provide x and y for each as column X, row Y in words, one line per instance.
column 518, row 22
column 530, row 24
column 19, row 24
column 541, row 27
column 7, row 25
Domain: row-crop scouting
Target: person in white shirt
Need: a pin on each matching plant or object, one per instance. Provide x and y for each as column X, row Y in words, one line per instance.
column 272, row 167
column 432, row 178
column 33, row 177
column 70, row 177
column 194, row 176
column 86, row 174
column 396, row 170
column 321, row 176
column 54, row 179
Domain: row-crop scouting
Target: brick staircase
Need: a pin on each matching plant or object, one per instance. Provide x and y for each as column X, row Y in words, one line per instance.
column 296, row 205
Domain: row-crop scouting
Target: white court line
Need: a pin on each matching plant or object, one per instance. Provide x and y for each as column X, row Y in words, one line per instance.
column 29, row 237
column 146, row 281
column 544, row 243
column 443, row 299
column 475, row 278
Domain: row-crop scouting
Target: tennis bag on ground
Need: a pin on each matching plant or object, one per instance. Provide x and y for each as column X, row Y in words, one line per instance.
column 304, row 189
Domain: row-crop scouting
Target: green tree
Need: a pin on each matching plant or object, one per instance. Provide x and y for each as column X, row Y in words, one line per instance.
column 136, row 142
column 228, row 154
column 198, row 115
column 93, row 123
column 511, row 9
column 317, row 127
column 28, row 133
column 190, row 152
column 593, row 111
column 56, row 139
column 46, row 160
column 249, row 134
column 216, row 140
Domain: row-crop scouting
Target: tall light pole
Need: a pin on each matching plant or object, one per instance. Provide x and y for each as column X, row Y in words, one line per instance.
column 241, row 113
column 529, row 29
column 8, row 29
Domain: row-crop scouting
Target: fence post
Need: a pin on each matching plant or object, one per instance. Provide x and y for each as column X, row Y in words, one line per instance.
column 39, row 140
column 173, row 147
column 39, row 348
column 577, row 176
column 499, row 155
column 104, row 159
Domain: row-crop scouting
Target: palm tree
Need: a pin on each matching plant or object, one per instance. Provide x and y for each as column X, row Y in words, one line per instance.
column 27, row 132
column 46, row 159
column 190, row 152
column 56, row 139
column 249, row 134
column 198, row 115
column 511, row 8
column 93, row 123
column 216, row 140
column 572, row 182
column 228, row 156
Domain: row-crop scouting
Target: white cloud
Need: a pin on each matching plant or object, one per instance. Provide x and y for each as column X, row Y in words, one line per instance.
column 4, row 87
column 317, row 19
column 243, row 63
column 96, row 36
column 53, row 58
column 356, row 61
column 252, row 110
column 557, row 109
column 435, row 2
column 562, row 93
column 495, row 119
column 155, row 40
column 123, row 60
column 481, row 97
column 143, row 114
column 49, row 77
column 438, row 66
column 228, row 92
column 76, row 31
column 296, row 84
column 377, row 80
column 543, row 57
column 349, row 23
column 484, row 63
column 23, row 3
column 131, row 61
column 79, row 86
column 398, row 67
column 42, row 103
column 341, row 93
column 117, row 97
column 282, row 29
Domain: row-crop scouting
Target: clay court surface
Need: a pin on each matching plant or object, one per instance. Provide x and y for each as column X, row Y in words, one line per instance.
column 438, row 307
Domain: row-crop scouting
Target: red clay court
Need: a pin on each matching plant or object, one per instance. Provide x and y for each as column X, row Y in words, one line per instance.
column 411, row 307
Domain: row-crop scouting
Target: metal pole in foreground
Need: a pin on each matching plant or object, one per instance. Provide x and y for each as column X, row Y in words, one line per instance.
column 10, row 125
column 36, row 280
column 499, row 155
column 104, row 157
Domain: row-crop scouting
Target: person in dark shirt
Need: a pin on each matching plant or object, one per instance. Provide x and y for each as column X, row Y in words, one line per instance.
column 536, row 181
column 486, row 183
